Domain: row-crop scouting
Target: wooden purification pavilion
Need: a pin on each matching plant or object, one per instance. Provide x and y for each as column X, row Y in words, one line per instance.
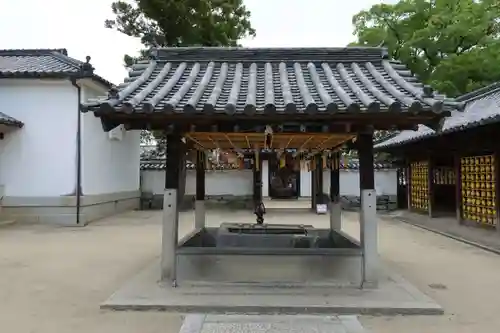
column 455, row 172
column 312, row 99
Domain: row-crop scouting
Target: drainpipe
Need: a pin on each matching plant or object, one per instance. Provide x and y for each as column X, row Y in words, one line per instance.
column 78, row 151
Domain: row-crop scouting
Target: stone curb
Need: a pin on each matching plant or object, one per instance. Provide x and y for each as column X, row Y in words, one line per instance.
column 445, row 234
column 5, row 223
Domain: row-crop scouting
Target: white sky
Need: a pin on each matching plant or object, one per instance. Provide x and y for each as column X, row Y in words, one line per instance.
column 78, row 26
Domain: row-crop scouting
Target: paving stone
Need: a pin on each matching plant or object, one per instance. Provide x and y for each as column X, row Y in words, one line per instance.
column 199, row 323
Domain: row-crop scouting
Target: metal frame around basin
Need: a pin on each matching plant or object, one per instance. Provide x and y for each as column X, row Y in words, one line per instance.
column 273, row 267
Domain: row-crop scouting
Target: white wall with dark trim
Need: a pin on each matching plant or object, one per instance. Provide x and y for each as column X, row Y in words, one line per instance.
column 39, row 160
column 385, row 182
column 239, row 182
column 108, row 166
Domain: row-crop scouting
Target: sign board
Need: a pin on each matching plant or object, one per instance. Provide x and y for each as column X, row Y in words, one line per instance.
column 321, row 209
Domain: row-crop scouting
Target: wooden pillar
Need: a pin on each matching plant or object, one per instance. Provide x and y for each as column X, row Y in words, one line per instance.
column 408, row 184
column 458, row 187
column 368, row 215
column 182, row 174
column 313, row 185
column 272, row 168
column 319, row 180
column 399, row 182
column 430, row 186
column 335, row 207
column 199, row 204
column 257, row 179
column 170, row 209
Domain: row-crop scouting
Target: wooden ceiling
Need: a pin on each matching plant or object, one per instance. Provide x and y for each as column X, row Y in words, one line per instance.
column 238, row 141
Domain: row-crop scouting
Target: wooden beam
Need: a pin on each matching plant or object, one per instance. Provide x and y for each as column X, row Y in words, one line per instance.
column 194, row 140
column 237, row 149
column 237, row 141
column 215, row 143
column 304, row 144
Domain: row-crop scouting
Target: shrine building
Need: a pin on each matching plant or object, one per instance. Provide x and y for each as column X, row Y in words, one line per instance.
column 313, row 100
column 453, row 173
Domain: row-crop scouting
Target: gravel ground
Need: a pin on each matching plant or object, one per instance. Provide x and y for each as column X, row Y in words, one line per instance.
column 53, row 279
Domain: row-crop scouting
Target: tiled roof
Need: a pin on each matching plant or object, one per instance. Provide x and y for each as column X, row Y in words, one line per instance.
column 160, row 165
column 355, row 166
column 267, row 80
column 482, row 107
column 9, row 121
column 42, row 63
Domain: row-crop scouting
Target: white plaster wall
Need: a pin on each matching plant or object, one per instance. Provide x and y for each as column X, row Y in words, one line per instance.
column 229, row 182
column 153, row 181
column 40, row 158
column 385, row 182
column 239, row 182
column 265, row 178
column 305, row 183
column 108, row 166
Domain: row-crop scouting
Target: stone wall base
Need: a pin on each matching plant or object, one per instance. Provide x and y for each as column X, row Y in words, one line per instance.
column 350, row 203
column 384, row 202
column 211, row 202
column 62, row 210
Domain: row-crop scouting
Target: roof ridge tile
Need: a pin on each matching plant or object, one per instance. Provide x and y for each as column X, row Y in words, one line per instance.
column 33, row 52
column 37, row 63
column 457, row 121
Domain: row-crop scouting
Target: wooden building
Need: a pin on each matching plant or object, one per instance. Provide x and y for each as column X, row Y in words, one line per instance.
column 312, row 99
column 454, row 172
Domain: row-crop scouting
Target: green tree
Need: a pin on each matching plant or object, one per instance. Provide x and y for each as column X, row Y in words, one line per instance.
column 453, row 45
column 162, row 23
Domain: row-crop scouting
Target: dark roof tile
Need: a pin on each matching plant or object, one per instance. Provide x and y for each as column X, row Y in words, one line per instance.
column 245, row 80
column 42, row 63
column 160, row 164
column 9, row 121
column 482, row 107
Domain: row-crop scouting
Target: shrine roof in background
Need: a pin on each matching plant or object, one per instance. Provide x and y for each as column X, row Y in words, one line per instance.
column 482, row 107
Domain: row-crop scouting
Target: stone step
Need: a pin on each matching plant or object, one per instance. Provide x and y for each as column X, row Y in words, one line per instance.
column 5, row 222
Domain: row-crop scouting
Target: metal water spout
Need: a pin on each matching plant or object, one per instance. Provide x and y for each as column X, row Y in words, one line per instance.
column 260, row 210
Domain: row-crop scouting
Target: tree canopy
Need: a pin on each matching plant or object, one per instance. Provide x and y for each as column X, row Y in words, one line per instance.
column 161, row 23
column 453, row 45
